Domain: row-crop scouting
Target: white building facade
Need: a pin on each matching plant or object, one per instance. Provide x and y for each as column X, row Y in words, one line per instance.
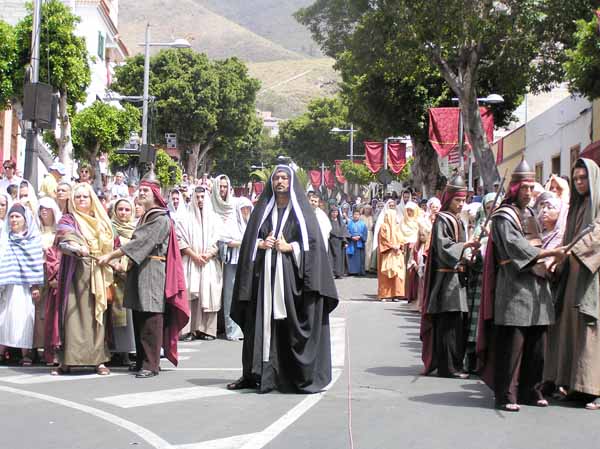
column 557, row 136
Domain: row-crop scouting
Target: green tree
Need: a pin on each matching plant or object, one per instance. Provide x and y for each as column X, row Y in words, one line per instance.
column 583, row 64
column 63, row 64
column 209, row 105
column 103, row 127
column 473, row 45
column 8, row 62
column 308, row 139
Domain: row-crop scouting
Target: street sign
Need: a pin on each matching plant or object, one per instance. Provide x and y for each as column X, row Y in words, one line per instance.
column 171, row 139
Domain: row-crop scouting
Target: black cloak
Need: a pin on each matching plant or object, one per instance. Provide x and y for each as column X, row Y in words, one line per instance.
column 300, row 349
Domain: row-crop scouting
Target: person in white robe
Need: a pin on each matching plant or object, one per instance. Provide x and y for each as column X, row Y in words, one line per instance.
column 197, row 233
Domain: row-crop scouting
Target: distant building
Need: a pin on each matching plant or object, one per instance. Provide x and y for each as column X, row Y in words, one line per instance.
column 269, row 122
column 98, row 26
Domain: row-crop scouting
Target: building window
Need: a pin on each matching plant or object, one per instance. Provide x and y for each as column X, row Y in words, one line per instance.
column 574, row 155
column 100, row 45
column 556, row 164
column 539, row 172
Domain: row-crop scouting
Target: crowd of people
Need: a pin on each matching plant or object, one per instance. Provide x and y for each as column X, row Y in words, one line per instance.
column 96, row 273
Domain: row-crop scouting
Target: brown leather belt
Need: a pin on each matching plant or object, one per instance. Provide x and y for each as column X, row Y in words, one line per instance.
column 447, row 270
column 504, row 262
column 163, row 258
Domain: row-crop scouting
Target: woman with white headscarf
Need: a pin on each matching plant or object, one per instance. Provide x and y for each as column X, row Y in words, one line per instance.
column 232, row 239
column 48, row 216
column 21, row 278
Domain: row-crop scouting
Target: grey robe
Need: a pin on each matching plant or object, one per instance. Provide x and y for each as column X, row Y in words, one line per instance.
column 145, row 288
column 446, row 250
column 521, row 298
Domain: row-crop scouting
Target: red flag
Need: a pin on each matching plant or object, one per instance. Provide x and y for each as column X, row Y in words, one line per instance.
column 315, row 178
column 443, row 128
column 500, row 152
column 329, row 179
column 338, row 173
column 374, row 156
column 396, row 156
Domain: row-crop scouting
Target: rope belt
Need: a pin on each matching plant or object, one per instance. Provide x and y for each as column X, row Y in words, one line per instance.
column 449, row 270
column 504, row 262
column 163, row 258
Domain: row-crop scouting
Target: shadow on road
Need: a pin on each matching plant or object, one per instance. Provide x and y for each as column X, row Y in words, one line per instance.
column 476, row 395
column 413, row 370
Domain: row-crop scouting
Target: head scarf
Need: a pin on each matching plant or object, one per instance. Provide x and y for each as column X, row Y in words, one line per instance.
column 48, row 232
column 380, row 219
column 409, row 226
column 8, row 205
column 96, row 229
column 158, row 199
column 576, row 200
column 123, row 228
column 392, row 263
column 171, row 206
column 449, row 195
column 21, row 255
column 235, row 229
column 433, row 201
column 564, row 191
column 224, row 208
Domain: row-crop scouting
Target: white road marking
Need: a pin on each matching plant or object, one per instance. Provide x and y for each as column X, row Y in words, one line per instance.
column 164, row 396
column 221, row 443
column 30, row 379
column 172, row 368
column 147, row 435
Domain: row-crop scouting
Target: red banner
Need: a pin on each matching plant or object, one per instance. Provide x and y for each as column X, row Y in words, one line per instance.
column 396, row 156
column 443, row 128
column 339, row 176
column 500, row 152
column 374, row 156
column 329, row 179
column 315, row 178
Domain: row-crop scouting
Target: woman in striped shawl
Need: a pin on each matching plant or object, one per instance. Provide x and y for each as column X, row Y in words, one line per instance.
column 21, row 274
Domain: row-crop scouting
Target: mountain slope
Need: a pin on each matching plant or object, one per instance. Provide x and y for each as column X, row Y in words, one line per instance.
column 208, row 32
column 271, row 19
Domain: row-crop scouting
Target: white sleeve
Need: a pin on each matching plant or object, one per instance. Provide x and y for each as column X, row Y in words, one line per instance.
column 297, row 252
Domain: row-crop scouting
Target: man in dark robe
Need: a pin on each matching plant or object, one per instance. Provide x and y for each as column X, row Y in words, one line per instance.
column 338, row 239
column 284, row 292
column 516, row 298
column 444, row 316
column 574, row 341
column 155, row 288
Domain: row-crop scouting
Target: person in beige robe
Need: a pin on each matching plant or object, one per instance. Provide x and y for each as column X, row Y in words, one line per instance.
column 367, row 217
column 198, row 238
column 573, row 356
column 391, row 270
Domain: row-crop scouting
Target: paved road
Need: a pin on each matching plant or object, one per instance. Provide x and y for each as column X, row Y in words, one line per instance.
column 378, row 400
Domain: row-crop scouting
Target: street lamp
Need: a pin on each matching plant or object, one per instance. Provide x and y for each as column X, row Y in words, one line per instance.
column 177, row 43
column 351, row 131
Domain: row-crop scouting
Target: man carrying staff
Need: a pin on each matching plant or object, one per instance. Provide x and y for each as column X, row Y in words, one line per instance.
column 517, row 297
column 155, row 288
column 283, row 293
column 445, row 309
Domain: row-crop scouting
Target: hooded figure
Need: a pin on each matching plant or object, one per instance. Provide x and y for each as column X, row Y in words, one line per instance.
column 516, row 306
column 338, row 239
column 199, row 235
column 574, row 362
column 445, row 297
column 391, row 271
column 223, row 202
column 284, row 292
column 21, row 276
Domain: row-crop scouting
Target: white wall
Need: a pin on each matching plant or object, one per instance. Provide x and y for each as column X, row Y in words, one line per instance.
column 555, row 131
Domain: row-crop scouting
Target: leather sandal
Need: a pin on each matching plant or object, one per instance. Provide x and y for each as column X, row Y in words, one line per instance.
column 594, row 405
column 61, row 370
column 145, row 373
column 509, row 407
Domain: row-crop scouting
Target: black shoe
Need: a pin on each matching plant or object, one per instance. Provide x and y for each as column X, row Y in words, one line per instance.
column 241, row 384
column 145, row 373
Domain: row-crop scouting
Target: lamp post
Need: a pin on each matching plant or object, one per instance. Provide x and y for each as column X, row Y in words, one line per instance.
column 177, row 43
column 490, row 99
column 351, row 131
